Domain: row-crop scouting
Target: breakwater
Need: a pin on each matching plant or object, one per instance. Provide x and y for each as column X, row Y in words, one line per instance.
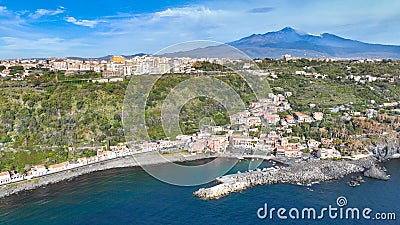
column 297, row 173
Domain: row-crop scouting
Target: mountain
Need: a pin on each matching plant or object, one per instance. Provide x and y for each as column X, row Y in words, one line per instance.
column 298, row 44
column 107, row 57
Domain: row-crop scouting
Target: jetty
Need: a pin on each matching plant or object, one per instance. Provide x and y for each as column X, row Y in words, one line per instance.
column 297, row 173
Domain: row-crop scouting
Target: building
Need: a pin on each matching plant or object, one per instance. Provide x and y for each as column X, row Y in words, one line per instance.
column 127, row 70
column 289, row 119
column 241, row 141
column 271, row 118
column 217, row 143
column 301, row 117
column 5, row 177
column 199, row 146
column 329, row 153
column 38, row 170
column 326, row 141
column 83, row 161
column 313, row 143
column 58, row 167
column 117, row 59
column 318, row 115
column 254, row 121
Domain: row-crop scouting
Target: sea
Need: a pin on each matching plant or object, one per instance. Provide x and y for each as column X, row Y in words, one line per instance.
column 131, row 196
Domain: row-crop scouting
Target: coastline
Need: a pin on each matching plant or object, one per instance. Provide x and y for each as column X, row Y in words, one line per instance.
column 14, row 188
column 228, row 183
column 302, row 173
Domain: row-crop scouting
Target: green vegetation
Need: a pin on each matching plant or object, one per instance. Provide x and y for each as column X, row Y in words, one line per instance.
column 196, row 109
column 49, row 111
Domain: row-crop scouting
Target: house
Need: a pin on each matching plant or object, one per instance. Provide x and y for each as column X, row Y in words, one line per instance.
column 326, row 141
column 199, row 146
column 240, row 117
column 58, row 167
column 288, row 94
column 83, row 161
column 266, row 100
column 292, row 152
column 289, row 119
column 390, row 104
column 104, row 155
column 158, row 145
column 188, row 138
column 280, row 151
column 38, row 170
column 286, row 106
column 257, row 112
column 217, row 143
column 318, row 115
column 16, row 176
column 5, row 177
column 241, row 141
column 255, row 105
column 301, row 117
column 313, row 143
column 253, row 121
column 271, row 118
column 284, row 142
column 273, row 135
column 329, row 153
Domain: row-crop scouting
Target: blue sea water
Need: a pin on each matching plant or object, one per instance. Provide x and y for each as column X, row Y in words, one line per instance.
column 131, row 196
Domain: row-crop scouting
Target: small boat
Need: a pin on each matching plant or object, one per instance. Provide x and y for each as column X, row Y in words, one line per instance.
column 240, row 158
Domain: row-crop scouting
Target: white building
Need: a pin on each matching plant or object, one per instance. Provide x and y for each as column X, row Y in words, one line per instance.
column 5, row 177
column 39, row 170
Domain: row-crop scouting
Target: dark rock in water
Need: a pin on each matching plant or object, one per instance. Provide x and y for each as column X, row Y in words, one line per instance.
column 353, row 183
column 376, row 172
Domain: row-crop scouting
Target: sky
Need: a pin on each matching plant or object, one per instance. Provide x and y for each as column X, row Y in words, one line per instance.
column 62, row 28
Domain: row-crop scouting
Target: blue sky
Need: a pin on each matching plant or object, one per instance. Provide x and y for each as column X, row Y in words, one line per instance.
column 60, row 28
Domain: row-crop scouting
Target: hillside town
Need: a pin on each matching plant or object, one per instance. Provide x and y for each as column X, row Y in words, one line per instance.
column 115, row 66
column 243, row 133
column 266, row 126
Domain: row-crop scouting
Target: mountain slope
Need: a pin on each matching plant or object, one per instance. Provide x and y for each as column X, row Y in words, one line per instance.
column 289, row 41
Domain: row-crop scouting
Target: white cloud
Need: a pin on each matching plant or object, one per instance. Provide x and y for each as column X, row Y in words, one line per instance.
column 46, row 12
column 185, row 11
column 3, row 9
column 85, row 23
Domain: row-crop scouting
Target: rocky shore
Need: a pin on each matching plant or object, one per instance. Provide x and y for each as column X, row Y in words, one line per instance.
column 149, row 158
column 376, row 172
column 297, row 173
column 384, row 151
